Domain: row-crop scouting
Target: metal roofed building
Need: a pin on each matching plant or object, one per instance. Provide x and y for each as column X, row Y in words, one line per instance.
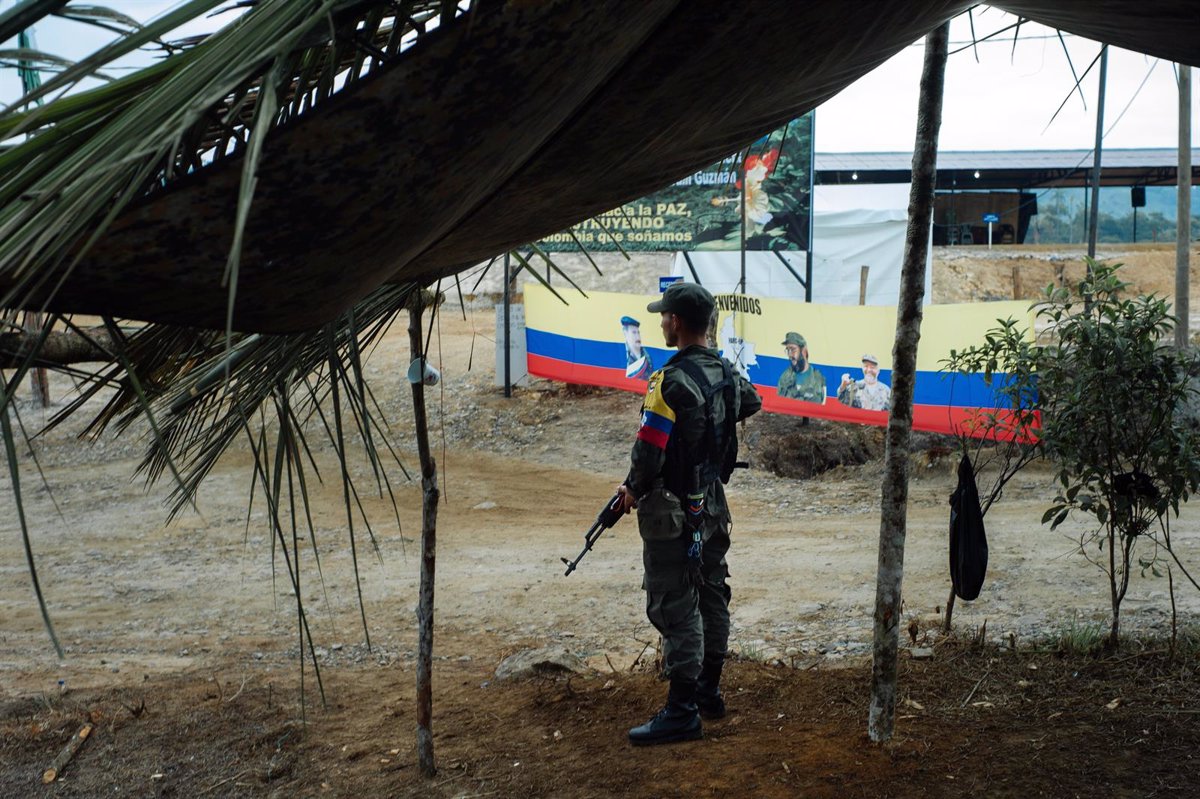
column 969, row 170
column 976, row 186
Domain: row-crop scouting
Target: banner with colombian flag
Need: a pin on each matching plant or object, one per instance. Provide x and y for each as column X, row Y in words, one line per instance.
column 824, row 361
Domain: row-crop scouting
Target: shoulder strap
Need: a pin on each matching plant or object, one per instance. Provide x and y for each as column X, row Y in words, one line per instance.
column 693, row 371
column 715, row 444
column 707, row 389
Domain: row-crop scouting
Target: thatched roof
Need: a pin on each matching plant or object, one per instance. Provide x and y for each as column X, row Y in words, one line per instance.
column 508, row 123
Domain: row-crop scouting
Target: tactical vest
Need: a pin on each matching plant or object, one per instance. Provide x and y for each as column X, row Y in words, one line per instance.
column 688, row 472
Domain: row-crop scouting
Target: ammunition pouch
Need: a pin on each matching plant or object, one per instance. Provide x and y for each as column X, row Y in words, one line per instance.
column 660, row 516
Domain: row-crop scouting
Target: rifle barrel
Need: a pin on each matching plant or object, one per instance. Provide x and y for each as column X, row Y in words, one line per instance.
column 594, row 532
column 589, row 539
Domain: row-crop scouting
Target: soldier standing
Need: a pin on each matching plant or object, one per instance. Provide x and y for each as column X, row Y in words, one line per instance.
column 800, row 380
column 685, row 449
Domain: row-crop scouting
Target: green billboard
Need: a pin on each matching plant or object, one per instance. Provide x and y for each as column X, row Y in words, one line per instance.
column 705, row 210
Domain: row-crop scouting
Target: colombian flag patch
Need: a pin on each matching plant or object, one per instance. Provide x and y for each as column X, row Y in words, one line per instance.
column 657, row 416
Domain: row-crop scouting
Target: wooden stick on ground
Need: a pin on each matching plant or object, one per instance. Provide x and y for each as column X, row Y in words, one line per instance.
column 429, row 507
column 68, row 752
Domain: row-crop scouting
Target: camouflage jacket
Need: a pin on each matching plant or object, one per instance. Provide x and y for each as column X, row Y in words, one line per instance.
column 808, row 385
column 868, row 396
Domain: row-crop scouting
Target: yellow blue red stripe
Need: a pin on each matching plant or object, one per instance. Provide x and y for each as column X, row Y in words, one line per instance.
column 655, row 429
column 583, row 343
column 657, row 416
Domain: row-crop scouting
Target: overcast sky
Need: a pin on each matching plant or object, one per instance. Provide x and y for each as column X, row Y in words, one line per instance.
column 1003, row 102
column 1006, row 100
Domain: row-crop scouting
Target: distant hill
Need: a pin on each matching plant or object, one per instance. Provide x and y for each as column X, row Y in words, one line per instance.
column 1060, row 215
column 1114, row 200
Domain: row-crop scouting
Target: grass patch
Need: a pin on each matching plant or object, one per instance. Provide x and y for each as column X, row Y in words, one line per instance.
column 1082, row 638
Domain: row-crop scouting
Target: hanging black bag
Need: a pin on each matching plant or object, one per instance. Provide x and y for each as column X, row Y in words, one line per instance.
column 968, row 542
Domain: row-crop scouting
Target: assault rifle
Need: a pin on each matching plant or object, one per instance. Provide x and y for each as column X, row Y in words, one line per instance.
column 610, row 514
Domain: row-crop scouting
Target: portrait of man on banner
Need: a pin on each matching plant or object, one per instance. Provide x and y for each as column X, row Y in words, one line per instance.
column 869, row 393
column 638, row 365
column 800, row 379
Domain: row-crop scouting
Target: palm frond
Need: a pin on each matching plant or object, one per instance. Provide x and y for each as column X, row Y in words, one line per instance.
column 1076, row 88
column 88, row 154
column 14, row 471
column 197, row 398
column 24, row 15
column 28, row 57
column 92, row 153
column 101, row 17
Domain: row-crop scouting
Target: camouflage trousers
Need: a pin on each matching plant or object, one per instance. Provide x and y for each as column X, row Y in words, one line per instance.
column 693, row 622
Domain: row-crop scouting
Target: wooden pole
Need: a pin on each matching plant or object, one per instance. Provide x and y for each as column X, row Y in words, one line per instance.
column 429, row 505
column 894, row 491
column 812, row 202
column 39, row 378
column 31, row 79
column 507, row 328
column 1094, row 214
column 1183, row 205
column 862, row 284
column 742, row 279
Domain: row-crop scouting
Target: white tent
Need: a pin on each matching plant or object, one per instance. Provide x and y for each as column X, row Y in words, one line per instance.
column 853, row 227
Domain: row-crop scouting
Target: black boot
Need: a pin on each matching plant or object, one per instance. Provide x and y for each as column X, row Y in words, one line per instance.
column 678, row 721
column 708, row 689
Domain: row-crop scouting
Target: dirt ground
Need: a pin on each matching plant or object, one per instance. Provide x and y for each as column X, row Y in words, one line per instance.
column 182, row 645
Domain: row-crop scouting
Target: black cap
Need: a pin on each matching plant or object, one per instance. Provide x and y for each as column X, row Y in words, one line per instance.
column 689, row 301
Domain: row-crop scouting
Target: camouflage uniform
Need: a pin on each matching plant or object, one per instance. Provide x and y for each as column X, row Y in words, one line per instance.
column 808, row 385
column 868, row 396
column 694, row 623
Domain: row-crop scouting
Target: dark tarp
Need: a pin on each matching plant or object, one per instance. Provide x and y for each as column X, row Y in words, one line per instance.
column 509, row 125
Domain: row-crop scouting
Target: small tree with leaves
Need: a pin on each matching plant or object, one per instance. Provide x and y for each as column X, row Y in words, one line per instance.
column 1118, row 424
column 1113, row 398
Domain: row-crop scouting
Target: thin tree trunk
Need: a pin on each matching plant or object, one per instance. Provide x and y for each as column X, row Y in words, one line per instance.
column 1174, row 612
column 429, row 505
column 1115, row 629
column 948, row 619
column 1119, row 594
column 894, row 492
column 1183, row 216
